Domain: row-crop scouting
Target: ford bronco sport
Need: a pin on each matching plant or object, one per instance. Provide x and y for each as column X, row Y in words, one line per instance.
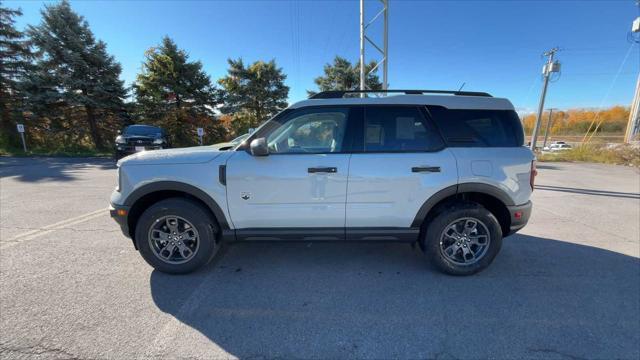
column 445, row 169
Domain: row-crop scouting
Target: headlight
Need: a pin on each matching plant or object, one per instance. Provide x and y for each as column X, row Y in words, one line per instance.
column 120, row 140
column 158, row 141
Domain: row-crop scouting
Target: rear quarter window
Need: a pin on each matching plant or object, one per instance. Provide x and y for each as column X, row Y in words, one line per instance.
column 478, row 128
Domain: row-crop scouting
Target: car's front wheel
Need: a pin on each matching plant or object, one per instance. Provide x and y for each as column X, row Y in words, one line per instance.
column 176, row 236
column 463, row 239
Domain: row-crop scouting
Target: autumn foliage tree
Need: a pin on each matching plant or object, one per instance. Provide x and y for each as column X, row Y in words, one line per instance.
column 75, row 84
column 577, row 121
column 176, row 94
column 253, row 93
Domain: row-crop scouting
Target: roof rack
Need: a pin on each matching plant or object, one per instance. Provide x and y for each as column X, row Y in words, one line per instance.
column 337, row 94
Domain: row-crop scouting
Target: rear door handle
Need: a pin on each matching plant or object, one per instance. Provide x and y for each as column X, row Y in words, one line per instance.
column 417, row 169
column 313, row 170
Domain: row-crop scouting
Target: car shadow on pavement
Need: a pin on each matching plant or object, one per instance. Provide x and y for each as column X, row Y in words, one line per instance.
column 541, row 298
column 49, row 169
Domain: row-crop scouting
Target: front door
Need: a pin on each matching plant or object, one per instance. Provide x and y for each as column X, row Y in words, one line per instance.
column 301, row 184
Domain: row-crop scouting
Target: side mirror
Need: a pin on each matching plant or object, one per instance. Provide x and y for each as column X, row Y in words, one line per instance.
column 259, row 147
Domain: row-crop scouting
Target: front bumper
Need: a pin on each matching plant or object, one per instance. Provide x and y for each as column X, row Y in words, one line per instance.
column 131, row 149
column 120, row 214
column 519, row 216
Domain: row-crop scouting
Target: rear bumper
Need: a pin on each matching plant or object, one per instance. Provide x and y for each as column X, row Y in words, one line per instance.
column 519, row 216
column 120, row 214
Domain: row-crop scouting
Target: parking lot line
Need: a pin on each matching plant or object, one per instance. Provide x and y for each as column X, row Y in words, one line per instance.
column 30, row 235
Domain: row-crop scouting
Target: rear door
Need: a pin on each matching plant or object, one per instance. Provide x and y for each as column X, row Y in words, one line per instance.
column 302, row 183
column 401, row 162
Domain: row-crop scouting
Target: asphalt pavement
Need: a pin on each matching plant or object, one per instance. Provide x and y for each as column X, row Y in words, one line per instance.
column 72, row 286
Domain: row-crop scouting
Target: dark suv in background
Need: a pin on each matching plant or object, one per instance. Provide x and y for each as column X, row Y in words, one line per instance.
column 136, row 138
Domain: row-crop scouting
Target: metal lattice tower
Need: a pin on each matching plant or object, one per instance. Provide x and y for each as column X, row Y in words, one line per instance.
column 383, row 50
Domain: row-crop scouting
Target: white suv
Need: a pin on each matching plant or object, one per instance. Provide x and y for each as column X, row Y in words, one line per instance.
column 447, row 170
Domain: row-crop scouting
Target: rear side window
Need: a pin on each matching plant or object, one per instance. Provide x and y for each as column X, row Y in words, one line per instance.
column 398, row 129
column 478, row 128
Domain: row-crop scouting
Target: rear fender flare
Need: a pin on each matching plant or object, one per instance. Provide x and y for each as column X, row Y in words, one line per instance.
column 452, row 190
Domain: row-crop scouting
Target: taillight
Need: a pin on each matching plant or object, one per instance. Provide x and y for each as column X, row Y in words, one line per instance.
column 532, row 176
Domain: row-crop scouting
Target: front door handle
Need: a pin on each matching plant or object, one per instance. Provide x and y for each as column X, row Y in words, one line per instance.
column 425, row 169
column 313, row 170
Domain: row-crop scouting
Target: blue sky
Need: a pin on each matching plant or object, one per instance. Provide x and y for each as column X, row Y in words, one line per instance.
column 493, row 46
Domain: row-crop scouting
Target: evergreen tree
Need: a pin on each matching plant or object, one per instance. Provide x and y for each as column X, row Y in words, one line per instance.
column 254, row 93
column 176, row 94
column 75, row 79
column 15, row 58
column 342, row 75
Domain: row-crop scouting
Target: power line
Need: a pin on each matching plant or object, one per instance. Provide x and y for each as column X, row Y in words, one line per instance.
column 586, row 137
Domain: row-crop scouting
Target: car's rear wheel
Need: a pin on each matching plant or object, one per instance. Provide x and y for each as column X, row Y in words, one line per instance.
column 176, row 236
column 463, row 239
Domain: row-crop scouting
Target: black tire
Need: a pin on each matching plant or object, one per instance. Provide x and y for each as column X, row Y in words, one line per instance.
column 118, row 155
column 193, row 213
column 433, row 236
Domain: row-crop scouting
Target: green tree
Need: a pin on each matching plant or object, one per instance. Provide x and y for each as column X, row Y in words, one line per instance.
column 74, row 75
column 253, row 93
column 342, row 75
column 15, row 58
column 175, row 93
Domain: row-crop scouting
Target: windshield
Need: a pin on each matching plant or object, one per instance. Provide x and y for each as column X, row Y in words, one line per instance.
column 143, row 130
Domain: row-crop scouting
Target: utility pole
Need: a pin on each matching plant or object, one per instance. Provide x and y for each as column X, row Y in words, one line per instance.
column 633, row 126
column 546, row 132
column 385, row 45
column 549, row 68
column 362, row 36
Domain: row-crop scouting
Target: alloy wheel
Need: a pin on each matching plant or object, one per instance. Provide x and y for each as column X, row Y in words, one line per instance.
column 173, row 239
column 465, row 241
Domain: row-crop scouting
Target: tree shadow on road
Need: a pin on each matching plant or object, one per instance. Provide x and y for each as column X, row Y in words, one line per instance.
column 540, row 298
column 595, row 192
column 50, row 169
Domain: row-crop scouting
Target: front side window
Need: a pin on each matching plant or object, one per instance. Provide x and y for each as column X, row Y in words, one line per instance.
column 398, row 129
column 310, row 131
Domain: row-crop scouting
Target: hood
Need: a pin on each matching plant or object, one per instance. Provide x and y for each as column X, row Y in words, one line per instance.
column 191, row 155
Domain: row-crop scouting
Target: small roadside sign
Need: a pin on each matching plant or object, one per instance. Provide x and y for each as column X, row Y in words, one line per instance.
column 200, row 133
column 21, row 131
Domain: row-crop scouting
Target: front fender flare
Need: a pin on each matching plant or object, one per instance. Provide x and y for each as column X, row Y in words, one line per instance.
column 181, row 187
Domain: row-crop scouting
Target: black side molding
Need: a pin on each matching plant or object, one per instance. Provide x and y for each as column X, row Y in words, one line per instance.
column 290, row 234
column 329, row 234
column 222, row 174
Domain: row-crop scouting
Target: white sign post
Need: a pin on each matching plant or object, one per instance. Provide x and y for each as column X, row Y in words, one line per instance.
column 21, row 131
column 200, row 133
